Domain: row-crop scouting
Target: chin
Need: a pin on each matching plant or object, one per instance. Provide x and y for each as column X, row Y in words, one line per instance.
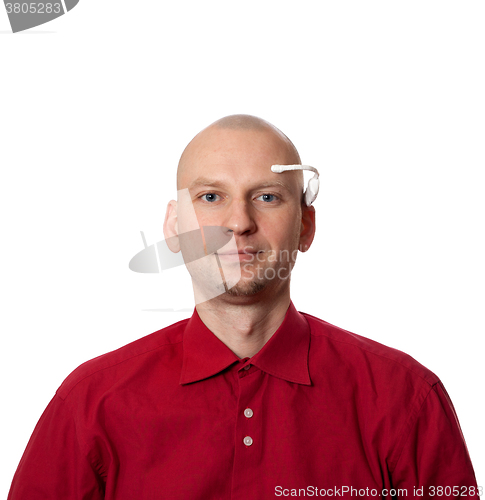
column 246, row 289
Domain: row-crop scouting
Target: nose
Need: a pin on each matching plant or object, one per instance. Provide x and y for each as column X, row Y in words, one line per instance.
column 239, row 218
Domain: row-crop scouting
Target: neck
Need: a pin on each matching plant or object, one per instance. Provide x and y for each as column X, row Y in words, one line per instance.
column 244, row 324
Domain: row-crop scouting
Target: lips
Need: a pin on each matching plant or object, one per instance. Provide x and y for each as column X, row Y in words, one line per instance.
column 241, row 255
column 240, row 252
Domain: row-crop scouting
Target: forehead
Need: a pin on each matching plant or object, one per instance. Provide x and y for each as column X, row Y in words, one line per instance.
column 227, row 155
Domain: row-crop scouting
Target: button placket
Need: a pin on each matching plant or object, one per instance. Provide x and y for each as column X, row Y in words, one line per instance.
column 248, row 413
column 249, row 439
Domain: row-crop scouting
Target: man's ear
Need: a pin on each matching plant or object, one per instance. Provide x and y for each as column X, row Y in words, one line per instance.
column 308, row 227
column 170, row 227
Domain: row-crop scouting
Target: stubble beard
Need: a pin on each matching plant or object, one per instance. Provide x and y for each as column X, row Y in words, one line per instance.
column 254, row 278
column 247, row 287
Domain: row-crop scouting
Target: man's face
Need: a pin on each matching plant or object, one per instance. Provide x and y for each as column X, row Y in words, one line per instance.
column 229, row 178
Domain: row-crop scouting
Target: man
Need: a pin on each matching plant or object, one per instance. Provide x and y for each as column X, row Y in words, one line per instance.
column 248, row 398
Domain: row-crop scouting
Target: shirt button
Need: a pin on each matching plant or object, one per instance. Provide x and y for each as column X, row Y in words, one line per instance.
column 248, row 413
column 247, row 367
column 248, row 441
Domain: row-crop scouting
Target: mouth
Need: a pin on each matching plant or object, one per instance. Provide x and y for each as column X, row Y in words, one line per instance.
column 239, row 252
column 241, row 255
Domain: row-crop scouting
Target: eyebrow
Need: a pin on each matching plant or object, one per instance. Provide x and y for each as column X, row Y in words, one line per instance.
column 205, row 181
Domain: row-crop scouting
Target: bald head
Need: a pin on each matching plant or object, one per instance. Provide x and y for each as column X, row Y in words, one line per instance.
column 246, row 122
column 223, row 138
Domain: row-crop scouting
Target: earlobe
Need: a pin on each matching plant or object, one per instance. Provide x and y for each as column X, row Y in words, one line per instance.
column 308, row 227
column 170, row 227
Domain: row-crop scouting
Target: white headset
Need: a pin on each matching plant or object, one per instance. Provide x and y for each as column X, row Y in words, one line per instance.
column 313, row 184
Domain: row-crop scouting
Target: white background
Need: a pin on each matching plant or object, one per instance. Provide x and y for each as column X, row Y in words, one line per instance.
column 386, row 99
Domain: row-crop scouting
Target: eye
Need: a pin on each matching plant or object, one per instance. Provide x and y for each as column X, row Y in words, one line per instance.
column 268, row 198
column 209, row 197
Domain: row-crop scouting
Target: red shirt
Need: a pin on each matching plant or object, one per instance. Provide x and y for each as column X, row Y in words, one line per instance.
column 317, row 411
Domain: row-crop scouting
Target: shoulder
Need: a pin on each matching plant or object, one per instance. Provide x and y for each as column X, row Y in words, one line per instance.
column 367, row 354
column 110, row 367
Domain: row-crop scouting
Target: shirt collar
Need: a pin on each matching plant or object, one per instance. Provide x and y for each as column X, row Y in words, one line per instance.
column 285, row 355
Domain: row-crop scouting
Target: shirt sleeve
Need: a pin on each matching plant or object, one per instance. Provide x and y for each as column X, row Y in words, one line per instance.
column 434, row 456
column 55, row 464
